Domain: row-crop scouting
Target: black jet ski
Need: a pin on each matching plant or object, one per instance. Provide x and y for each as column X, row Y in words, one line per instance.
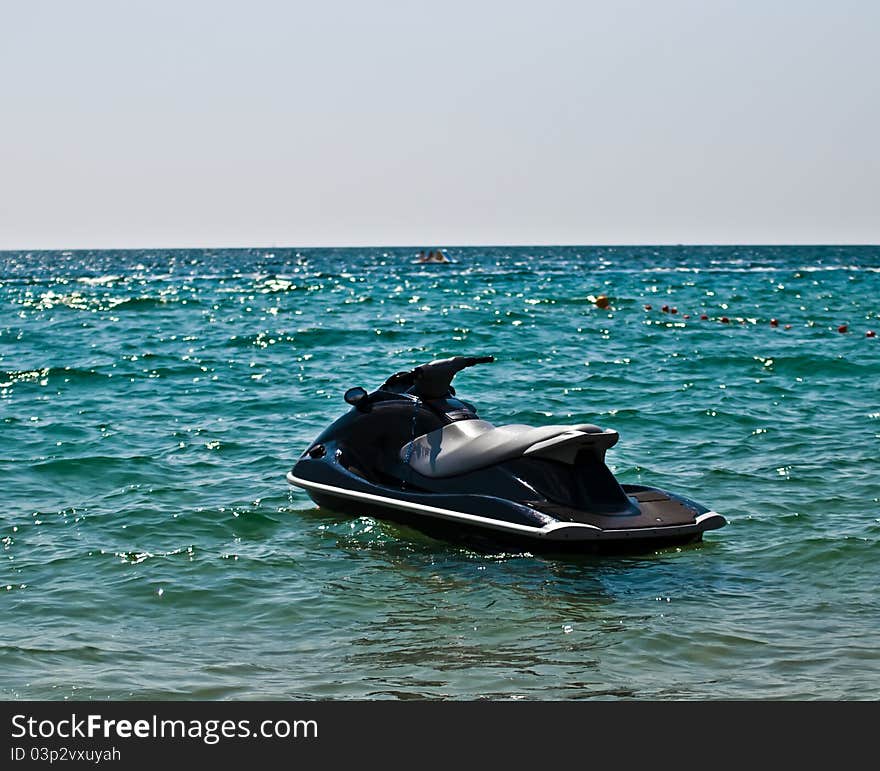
column 413, row 452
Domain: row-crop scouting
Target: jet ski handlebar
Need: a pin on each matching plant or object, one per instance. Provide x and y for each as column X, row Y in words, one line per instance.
column 434, row 379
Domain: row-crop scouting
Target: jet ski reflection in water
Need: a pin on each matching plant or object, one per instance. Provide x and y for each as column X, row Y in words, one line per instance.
column 413, row 452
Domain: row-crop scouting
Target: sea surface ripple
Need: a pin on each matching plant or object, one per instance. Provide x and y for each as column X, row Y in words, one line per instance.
column 152, row 401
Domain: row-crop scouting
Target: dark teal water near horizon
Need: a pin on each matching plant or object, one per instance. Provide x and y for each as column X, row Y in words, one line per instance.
column 151, row 402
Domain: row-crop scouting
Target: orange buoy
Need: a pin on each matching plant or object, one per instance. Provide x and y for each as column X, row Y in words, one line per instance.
column 774, row 322
column 843, row 328
column 602, row 301
column 870, row 333
column 686, row 316
column 647, row 307
column 725, row 320
column 788, row 326
column 673, row 310
column 665, row 309
column 704, row 317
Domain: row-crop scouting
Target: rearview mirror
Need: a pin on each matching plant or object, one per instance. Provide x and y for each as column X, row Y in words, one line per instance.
column 357, row 397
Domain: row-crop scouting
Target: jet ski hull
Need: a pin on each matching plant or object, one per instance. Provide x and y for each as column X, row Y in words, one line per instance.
column 503, row 523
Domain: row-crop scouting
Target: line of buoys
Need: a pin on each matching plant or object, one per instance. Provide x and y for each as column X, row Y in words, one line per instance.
column 774, row 322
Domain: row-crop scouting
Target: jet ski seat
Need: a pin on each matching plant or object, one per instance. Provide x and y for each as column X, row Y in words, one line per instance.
column 469, row 445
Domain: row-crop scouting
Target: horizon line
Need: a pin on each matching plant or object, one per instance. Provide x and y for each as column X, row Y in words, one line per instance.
column 661, row 244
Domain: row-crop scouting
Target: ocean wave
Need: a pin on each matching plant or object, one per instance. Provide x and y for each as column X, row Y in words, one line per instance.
column 93, row 465
column 79, row 301
column 780, row 268
column 128, row 469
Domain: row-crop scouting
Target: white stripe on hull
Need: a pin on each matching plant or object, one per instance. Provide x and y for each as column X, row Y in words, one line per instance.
column 555, row 531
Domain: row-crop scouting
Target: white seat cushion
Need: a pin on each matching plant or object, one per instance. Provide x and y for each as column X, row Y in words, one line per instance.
column 468, row 445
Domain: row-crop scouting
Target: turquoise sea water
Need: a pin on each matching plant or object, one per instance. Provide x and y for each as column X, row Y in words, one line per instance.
column 152, row 401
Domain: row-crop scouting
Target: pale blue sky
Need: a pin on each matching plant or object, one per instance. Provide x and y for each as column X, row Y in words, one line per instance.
column 126, row 123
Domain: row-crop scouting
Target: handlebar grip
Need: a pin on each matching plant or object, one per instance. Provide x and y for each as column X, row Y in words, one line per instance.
column 433, row 380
